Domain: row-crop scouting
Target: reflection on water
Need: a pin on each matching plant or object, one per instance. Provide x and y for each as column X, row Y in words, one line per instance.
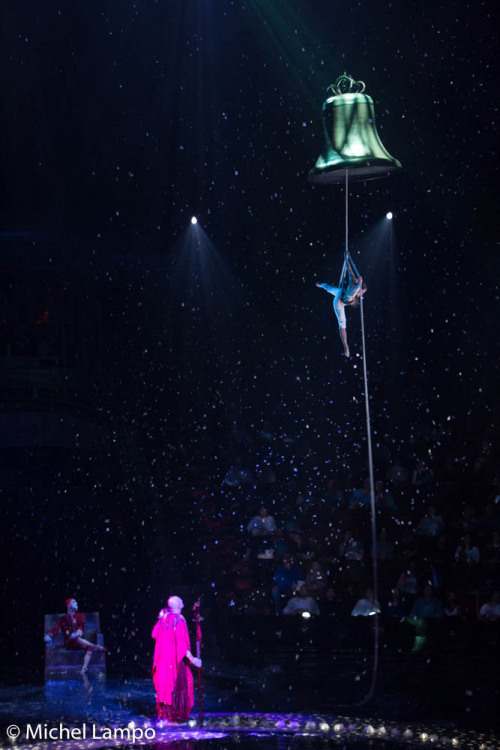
column 94, row 714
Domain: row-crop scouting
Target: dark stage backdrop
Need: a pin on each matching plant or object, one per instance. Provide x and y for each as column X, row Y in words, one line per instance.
column 133, row 340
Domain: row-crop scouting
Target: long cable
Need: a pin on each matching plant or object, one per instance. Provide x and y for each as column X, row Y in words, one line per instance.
column 346, row 213
column 371, row 690
column 346, row 241
column 372, row 506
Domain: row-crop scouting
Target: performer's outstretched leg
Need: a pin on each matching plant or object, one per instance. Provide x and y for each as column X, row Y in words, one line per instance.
column 86, row 659
column 89, row 648
column 343, row 336
column 339, row 308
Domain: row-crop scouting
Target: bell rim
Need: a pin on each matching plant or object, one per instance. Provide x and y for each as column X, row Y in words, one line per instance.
column 357, row 172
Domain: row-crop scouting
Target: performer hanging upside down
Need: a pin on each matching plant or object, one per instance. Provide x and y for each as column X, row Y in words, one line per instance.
column 345, row 295
column 171, row 674
column 72, row 625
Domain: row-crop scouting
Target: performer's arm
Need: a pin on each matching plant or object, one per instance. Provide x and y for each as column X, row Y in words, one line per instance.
column 193, row 659
column 56, row 628
column 356, row 290
column 162, row 613
column 80, row 621
column 53, row 631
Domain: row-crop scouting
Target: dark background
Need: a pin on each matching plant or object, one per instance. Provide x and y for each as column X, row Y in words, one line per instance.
column 131, row 340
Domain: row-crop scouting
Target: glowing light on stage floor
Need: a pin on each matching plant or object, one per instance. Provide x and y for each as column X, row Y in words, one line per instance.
column 238, row 729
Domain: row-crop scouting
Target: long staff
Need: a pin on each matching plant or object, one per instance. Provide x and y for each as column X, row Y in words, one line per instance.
column 199, row 639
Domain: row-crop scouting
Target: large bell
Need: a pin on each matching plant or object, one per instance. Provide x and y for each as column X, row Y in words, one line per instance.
column 351, row 138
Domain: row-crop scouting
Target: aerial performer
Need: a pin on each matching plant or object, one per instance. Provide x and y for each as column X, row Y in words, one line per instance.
column 172, row 675
column 351, row 288
column 72, row 625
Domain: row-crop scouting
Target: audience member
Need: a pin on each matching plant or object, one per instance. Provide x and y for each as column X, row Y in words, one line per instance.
column 383, row 497
column 315, row 580
column 491, row 552
column 302, row 603
column 262, row 525
column 303, row 547
column 408, row 582
column 334, row 497
column 279, row 544
column 407, row 545
column 384, row 548
column 427, row 606
column 350, row 549
column 467, row 553
column 467, row 521
column 451, row 606
column 329, row 602
column 285, row 578
column 490, row 612
column 361, row 498
column 350, row 571
column 266, row 475
column 397, row 475
column 367, row 606
column 395, row 607
column 423, row 475
column 237, row 475
column 431, row 524
column 424, row 611
column 488, row 522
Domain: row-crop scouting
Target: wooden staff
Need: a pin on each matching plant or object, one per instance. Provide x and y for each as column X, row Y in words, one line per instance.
column 198, row 639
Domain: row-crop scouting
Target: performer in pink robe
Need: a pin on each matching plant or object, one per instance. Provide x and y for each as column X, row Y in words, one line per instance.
column 172, row 676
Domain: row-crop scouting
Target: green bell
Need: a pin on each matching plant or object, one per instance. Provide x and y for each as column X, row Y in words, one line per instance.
column 351, row 138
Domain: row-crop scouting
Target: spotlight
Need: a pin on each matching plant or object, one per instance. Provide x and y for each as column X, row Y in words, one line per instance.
column 194, row 220
column 387, row 216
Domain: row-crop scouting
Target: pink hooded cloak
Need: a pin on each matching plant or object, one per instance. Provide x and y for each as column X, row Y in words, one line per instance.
column 172, row 677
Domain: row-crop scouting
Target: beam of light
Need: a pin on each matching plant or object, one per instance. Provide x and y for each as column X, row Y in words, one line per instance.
column 389, row 215
column 301, row 47
column 199, row 282
column 194, row 220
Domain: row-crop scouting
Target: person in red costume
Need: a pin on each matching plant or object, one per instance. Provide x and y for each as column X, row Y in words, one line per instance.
column 72, row 625
column 172, row 676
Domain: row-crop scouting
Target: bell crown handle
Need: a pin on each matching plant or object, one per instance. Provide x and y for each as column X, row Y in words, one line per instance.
column 346, row 85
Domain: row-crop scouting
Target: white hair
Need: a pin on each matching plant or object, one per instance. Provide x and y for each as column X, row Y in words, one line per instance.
column 175, row 602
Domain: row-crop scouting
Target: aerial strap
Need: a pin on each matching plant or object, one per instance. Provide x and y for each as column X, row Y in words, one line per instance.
column 349, row 269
